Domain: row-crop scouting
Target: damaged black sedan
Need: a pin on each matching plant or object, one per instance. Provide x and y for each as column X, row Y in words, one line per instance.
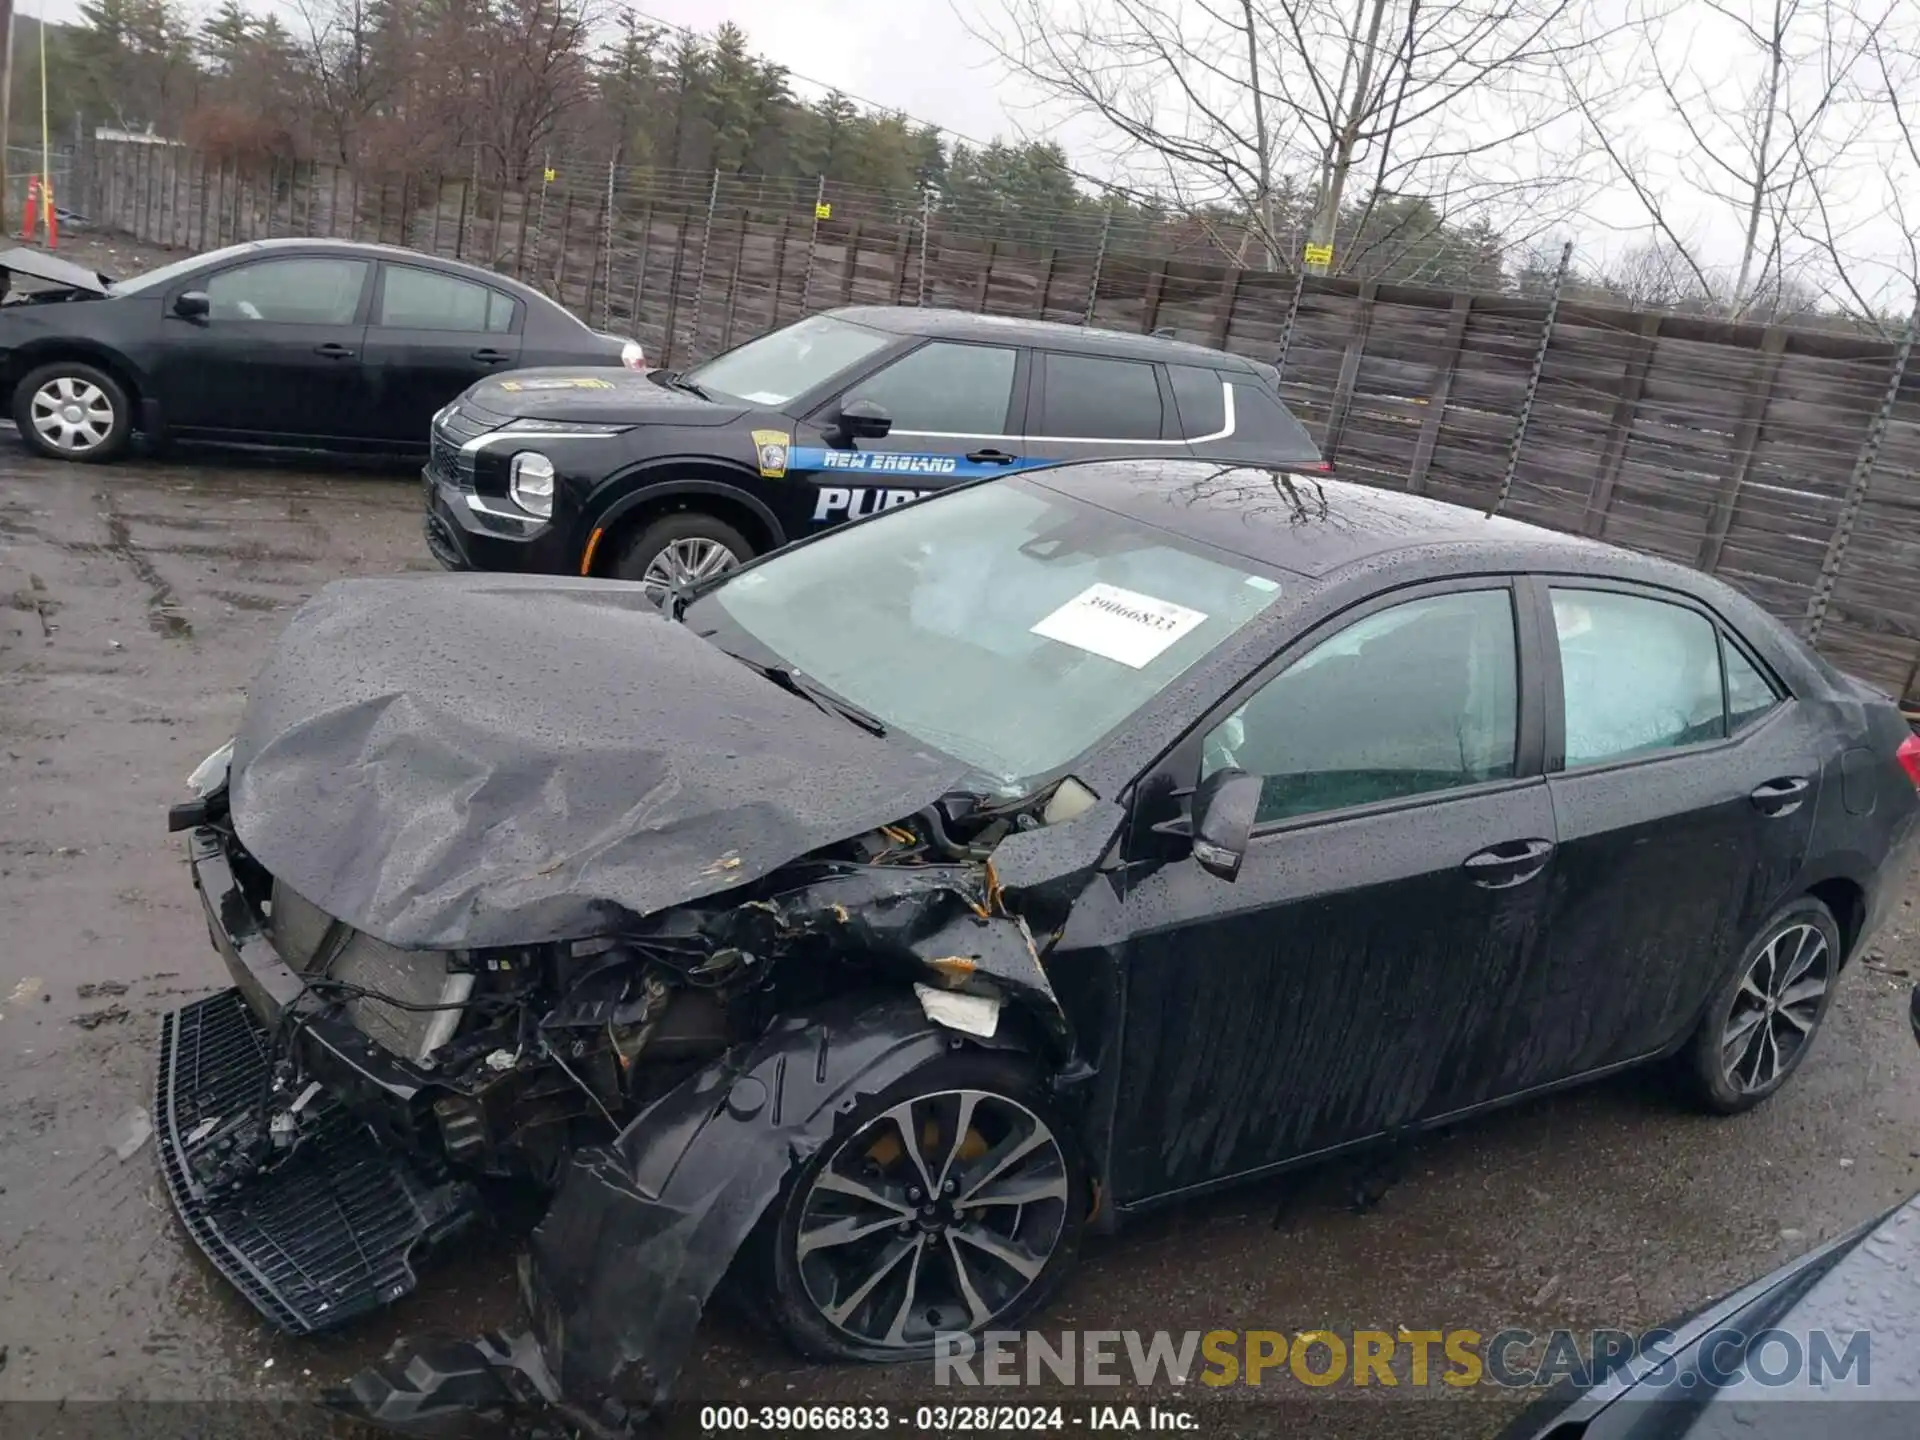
column 877, row 917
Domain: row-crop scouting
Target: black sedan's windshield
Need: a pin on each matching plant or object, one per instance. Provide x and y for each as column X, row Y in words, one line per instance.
column 777, row 367
column 1005, row 624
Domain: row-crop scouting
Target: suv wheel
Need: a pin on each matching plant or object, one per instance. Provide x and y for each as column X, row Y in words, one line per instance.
column 1761, row 1022
column 72, row 411
column 679, row 548
column 951, row 1201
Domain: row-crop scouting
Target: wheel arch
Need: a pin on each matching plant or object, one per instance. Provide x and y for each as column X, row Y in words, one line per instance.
column 1846, row 898
column 664, row 487
column 25, row 359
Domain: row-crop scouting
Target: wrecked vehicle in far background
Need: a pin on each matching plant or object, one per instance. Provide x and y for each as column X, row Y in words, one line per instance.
column 878, row 916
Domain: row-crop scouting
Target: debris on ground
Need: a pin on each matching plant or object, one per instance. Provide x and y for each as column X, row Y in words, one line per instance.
column 112, row 1015
column 96, row 989
column 25, row 990
column 131, row 1133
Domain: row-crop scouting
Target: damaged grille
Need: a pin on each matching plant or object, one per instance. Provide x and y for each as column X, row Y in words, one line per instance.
column 328, row 1235
column 314, row 943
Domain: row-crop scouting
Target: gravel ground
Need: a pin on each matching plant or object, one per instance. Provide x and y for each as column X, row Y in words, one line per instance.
column 135, row 603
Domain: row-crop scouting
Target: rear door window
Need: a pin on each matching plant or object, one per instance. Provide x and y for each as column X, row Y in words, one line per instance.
column 1638, row 675
column 414, row 299
column 1088, row 397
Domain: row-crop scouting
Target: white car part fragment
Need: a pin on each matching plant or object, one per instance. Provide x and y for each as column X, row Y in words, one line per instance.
column 211, row 773
column 969, row 1014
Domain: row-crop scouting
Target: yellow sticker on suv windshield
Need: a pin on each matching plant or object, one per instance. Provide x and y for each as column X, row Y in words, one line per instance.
column 558, row 382
column 770, row 448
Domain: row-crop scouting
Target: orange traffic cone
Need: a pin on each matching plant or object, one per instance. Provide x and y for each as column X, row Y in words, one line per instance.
column 30, row 217
column 53, row 215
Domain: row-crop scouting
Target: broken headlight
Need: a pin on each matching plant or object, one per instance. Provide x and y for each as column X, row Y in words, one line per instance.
column 211, row 773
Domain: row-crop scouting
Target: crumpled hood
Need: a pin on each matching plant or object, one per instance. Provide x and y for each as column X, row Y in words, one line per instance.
column 465, row 761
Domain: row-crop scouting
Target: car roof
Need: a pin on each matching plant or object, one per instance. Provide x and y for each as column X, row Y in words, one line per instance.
column 1312, row 525
column 965, row 325
column 398, row 253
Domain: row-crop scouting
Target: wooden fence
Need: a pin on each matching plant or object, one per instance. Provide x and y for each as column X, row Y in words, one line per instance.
column 1787, row 462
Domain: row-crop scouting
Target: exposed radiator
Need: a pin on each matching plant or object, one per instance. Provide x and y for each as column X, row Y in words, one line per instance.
column 311, row 941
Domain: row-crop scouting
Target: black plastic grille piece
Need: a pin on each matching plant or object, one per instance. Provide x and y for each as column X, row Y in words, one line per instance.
column 331, row 1233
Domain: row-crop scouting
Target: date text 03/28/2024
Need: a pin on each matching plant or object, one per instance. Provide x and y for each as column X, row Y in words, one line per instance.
column 946, row 1419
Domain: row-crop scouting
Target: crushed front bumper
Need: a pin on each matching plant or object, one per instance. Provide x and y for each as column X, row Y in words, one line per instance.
column 334, row 1229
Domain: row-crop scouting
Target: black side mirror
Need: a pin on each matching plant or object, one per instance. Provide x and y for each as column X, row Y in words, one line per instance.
column 192, row 305
column 863, row 420
column 1224, row 809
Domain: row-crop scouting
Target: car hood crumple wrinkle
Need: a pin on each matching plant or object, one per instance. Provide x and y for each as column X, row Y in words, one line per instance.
column 479, row 760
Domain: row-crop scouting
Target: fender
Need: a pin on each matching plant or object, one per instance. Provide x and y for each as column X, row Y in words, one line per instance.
column 643, row 1229
column 663, row 489
column 32, row 353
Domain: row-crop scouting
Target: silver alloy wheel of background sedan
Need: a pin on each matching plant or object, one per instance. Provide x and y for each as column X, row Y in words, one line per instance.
column 72, row 414
column 1776, row 1007
column 682, row 561
column 936, row 1215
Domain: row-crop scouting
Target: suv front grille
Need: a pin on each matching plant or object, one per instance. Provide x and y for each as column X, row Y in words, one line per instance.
column 453, row 429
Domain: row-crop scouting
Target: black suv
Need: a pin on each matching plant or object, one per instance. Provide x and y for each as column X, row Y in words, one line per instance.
column 669, row 476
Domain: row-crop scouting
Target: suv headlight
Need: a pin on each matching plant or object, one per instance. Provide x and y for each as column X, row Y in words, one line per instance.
column 211, row 773
column 530, row 483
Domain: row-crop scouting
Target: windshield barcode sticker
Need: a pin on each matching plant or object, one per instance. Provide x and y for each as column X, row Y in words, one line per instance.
column 1121, row 625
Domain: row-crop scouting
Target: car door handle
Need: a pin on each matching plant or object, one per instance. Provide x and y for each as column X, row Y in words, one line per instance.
column 991, row 457
column 1510, row 863
column 334, row 350
column 1780, row 797
column 491, row 357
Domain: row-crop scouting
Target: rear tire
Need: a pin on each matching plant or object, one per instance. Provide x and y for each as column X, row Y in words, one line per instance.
column 686, row 545
column 1763, row 1019
column 68, row 410
column 1015, row 1254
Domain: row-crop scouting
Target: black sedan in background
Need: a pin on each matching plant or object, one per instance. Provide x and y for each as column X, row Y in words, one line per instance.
column 319, row 344
column 1123, row 829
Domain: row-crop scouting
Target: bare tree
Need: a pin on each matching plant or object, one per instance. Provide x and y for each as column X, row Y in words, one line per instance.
column 1868, row 230
column 1747, row 113
column 344, row 62
column 1231, row 101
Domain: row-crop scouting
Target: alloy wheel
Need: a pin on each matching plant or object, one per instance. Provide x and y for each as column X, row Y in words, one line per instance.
column 681, row 562
column 936, row 1215
column 1776, row 1008
column 72, row 414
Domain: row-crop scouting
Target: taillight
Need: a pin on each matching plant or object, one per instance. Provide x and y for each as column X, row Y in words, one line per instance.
column 632, row 356
column 1909, row 757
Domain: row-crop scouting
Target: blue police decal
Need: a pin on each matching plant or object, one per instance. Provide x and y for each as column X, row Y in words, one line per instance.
column 851, row 502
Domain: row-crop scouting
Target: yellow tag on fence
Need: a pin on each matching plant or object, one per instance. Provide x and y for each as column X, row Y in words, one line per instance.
column 551, row 175
column 1319, row 254
column 823, row 211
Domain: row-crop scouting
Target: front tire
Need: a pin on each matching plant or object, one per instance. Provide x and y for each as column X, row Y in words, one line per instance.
column 68, row 410
column 953, row 1200
column 1763, row 1019
column 685, row 546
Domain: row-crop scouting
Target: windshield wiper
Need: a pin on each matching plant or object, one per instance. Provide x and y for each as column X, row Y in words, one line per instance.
column 794, row 682
column 680, row 382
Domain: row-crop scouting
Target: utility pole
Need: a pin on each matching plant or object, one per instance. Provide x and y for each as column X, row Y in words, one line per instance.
column 6, row 105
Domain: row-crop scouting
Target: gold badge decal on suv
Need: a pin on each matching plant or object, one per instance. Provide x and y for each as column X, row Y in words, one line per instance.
column 770, row 447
